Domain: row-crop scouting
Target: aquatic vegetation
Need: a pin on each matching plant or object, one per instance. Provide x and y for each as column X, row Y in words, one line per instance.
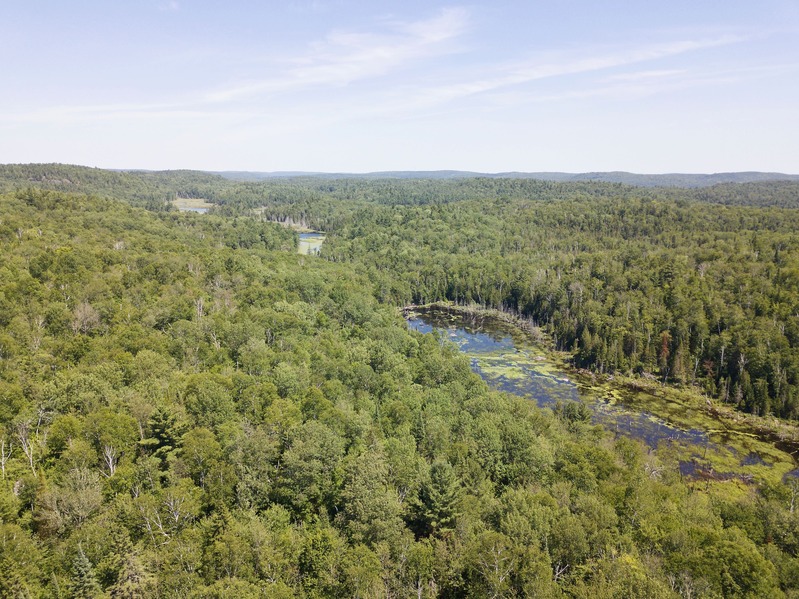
column 674, row 421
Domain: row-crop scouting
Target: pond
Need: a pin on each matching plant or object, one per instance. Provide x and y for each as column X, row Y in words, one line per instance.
column 198, row 205
column 311, row 243
column 509, row 362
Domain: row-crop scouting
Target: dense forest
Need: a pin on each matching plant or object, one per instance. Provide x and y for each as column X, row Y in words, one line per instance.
column 683, row 292
column 189, row 408
column 684, row 285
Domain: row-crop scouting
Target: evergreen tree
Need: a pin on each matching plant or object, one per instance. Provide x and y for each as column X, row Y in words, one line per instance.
column 83, row 583
column 439, row 495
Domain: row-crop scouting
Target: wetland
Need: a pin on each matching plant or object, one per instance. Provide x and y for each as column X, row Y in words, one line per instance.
column 708, row 441
column 310, row 242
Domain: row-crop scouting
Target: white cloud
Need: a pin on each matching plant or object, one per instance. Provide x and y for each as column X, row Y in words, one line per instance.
column 345, row 57
column 107, row 112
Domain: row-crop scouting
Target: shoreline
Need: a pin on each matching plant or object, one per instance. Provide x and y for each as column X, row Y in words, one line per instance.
column 682, row 407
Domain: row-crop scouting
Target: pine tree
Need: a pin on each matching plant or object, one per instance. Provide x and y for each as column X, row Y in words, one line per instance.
column 438, row 499
column 12, row 584
column 83, row 584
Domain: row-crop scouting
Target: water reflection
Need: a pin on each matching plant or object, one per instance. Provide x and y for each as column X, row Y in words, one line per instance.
column 512, row 367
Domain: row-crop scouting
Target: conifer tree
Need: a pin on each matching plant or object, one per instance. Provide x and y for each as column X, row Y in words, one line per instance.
column 83, row 584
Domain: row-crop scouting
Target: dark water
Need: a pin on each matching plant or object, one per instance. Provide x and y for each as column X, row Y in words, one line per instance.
column 793, row 474
column 514, row 368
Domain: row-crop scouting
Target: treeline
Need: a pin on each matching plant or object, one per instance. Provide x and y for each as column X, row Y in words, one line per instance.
column 183, row 414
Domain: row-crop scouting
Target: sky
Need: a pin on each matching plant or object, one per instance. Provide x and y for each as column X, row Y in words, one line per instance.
column 697, row 86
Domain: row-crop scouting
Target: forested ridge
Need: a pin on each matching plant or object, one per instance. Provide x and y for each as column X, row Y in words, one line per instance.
column 156, row 189
column 684, row 180
column 153, row 190
column 191, row 409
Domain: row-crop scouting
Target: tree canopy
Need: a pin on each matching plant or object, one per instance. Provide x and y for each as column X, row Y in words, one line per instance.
column 191, row 409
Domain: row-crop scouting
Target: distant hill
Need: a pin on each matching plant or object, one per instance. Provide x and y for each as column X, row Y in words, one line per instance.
column 678, row 179
column 156, row 190
column 636, row 179
column 259, row 176
column 151, row 189
column 154, row 183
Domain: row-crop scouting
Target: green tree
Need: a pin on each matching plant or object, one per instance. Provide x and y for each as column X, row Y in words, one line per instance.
column 83, row 582
column 439, row 497
column 134, row 581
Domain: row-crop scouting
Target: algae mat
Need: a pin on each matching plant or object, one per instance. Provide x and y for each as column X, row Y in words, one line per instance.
column 510, row 362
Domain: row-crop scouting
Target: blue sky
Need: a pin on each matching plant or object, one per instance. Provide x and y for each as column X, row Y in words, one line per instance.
column 355, row 86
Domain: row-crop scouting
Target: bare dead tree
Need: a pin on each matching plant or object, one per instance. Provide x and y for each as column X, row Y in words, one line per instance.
column 110, row 459
column 25, row 436
column 6, row 448
column 85, row 318
column 37, row 324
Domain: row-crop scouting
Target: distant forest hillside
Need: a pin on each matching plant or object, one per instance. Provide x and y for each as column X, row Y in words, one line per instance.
column 690, row 285
column 156, row 189
column 150, row 189
column 639, row 180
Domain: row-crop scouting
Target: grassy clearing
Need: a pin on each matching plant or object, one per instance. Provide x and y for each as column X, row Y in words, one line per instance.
column 192, row 203
column 310, row 244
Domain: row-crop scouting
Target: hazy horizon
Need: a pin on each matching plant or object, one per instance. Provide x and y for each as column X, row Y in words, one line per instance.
column 377, row 172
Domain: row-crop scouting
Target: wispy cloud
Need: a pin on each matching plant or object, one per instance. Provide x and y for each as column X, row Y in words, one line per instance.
column 647, row 75
column 345, row 57
column 310, row 6
column 342, row 57
column 537, row 68
column 637, row 85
